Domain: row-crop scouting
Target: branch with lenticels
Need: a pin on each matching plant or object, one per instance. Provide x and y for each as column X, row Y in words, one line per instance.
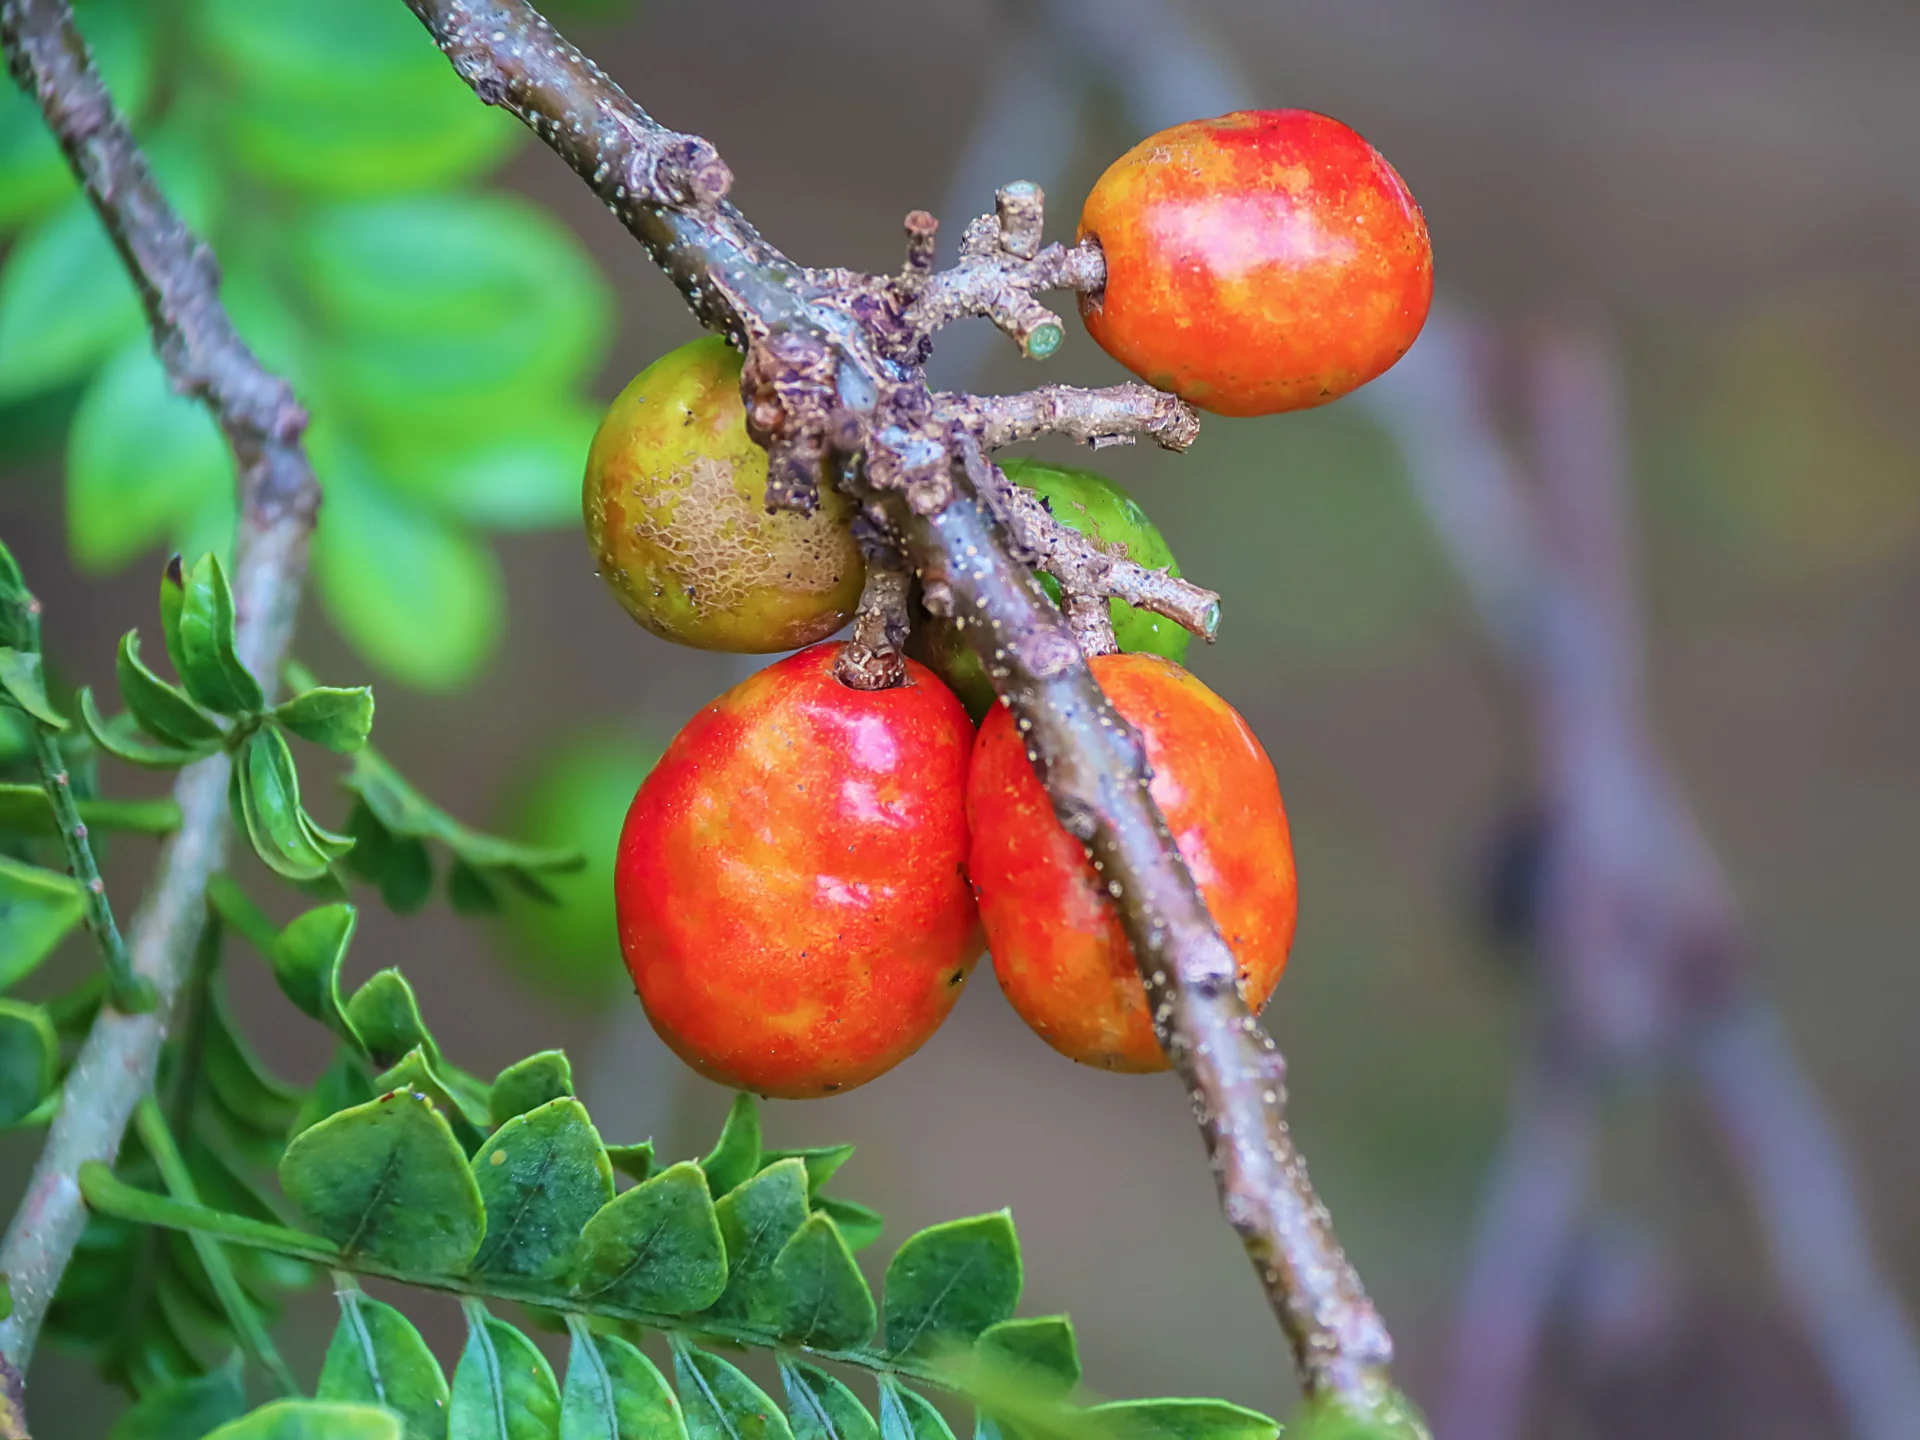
column 833, row 385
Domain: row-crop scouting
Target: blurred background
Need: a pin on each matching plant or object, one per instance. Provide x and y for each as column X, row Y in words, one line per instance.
column 1664, row 422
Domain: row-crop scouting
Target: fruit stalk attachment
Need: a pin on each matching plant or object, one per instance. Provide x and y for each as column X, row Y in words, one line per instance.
column 833, row 376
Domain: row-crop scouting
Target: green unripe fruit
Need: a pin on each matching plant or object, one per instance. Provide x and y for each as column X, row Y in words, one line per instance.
column 1090, row 503
column 676, row 511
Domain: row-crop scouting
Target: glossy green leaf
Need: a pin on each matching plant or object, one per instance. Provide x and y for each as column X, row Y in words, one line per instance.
column 313, row 1420
column 949, row 1282
column 756, row 1219
column 341, row 1086
column 268, row 789
column 142, row 462
column 186, row 1409
column 25, row 810
column 387, row 1180
column 418, row 598
column 821, row 1407
column 613, row 1392
column 529, row 1083
column 503, row 1388
column 737, row 1154
column 22, row 684
column 417, row 1071
column 65, row 303
column 306, row 960
column 1041, row 1353
column 17, row 616
column 386, row 1016
column 121, row 739
column 480, row 306
column 860, row 1224
column 519, row 473
column 542, row 1176
column 37, row 909
column 29, row 1047
column 813, row 1293
column 1182, row 1420
column 656, row 1247
column 160, row 709
column 722, row 1404
column 339, row 719
column 210, row 668
column 822, row 1162
column 173, row 600
column 378, row 1358
column 907, row 1416
column 633, row 1161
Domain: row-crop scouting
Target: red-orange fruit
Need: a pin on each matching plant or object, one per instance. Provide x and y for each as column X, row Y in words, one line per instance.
column 1268, row 260
column 1058, row 949
column 791, row 881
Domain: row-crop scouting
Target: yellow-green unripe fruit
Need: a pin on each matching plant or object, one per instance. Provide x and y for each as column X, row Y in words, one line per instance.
column 676, row 511
column 1089, row 502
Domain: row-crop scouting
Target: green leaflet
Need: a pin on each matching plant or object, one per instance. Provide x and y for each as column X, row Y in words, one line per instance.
column 119, row 738
column 158, row 708
column 37, row 909
column 529, row 1083
column 722, row 1404
column 339, row 719
column 813, row 1293
column 378, row 1358
column 417, row 1072
column 656, row 1247
column 186, row 1409
column 386, row 1016
column 312, row 1420
column 949, row 1282
column 21, row 684
column 633, row 1161
column 1040, row 1352
column 756, row 1219
column 1182, row 1420
column 822, row 1162
column 341, row 1086
column 246, row 1092
column 268, row 790
column 613, row 1392
column 907, row 1416
column 210, row 668
column 306, row 961
column 388, row 1180
column 29, row 1048
column 542, row 1176
column 860, row 1224
column 503, row 1388
column 821, row 1408
column 737, row 1154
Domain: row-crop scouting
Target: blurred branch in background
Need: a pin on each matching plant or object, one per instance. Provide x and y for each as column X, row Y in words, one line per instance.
column 1644, row 961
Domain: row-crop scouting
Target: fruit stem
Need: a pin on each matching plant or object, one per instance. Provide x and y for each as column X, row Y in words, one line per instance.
column 875, row 658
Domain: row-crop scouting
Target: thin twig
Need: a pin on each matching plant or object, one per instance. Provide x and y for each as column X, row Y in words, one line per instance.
column 830, row 372
column 256, row 412
column 875, row 658
column 1111, row 416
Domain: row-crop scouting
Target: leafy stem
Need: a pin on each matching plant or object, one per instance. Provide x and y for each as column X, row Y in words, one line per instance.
column 128, row 991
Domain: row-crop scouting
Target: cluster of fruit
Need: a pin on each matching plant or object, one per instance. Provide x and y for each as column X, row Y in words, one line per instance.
column 807, row 877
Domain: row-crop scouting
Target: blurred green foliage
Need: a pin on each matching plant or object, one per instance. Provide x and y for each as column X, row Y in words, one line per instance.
column 443, row 337
column 575, row 797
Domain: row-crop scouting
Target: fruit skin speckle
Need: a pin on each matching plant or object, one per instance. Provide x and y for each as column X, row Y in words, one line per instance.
column 1058, row 950
column 1268, row 260
column 675, row 506
column 791, row 880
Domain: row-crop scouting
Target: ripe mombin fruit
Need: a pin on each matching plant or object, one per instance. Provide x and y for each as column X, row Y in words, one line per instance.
column 1058, row 949
column 676, row 510
column 1090, row 503
column 791, row 881
column 1268, row 260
